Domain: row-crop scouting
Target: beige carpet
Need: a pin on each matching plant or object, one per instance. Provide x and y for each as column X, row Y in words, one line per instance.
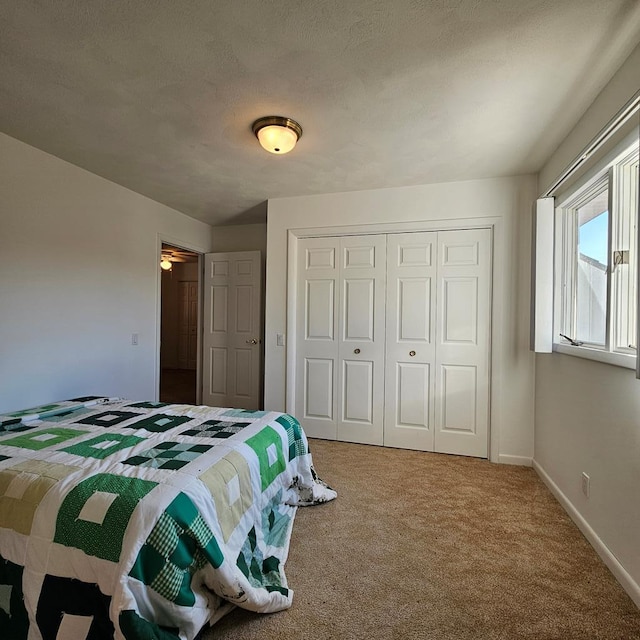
column 437, row 547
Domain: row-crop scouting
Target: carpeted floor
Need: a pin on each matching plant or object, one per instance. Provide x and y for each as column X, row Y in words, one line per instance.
column 436, row 547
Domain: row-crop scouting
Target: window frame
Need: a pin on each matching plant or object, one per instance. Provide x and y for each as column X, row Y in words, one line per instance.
column 615, row 173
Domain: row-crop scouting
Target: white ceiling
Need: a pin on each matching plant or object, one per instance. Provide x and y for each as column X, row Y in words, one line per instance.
column 159, row 96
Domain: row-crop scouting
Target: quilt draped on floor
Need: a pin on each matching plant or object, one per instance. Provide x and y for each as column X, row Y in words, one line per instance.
column 135, row 520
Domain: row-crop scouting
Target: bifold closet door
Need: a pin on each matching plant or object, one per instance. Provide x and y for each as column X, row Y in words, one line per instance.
column 362, row 336
column 340, row 337
column 317, row 330
column 438, row 340
column 463, row 334
column 393, row 339
column 410, row 345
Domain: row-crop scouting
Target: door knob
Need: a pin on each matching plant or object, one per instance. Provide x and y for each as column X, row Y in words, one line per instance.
column 356, row 351
column 412, row 353
column 252, row 341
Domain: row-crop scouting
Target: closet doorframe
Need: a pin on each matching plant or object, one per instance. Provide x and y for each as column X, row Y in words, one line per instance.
column 498, row 299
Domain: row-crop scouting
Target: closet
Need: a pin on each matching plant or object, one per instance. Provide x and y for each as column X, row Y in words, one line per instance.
column 393, row 339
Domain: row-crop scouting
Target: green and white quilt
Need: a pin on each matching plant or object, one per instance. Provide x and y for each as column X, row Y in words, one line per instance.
column 134, row 520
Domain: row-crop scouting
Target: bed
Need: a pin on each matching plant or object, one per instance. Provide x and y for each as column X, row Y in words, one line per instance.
column 134, row 520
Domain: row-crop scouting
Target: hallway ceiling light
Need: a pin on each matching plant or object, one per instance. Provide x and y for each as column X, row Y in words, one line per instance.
column 165, row 263
column 277, row 134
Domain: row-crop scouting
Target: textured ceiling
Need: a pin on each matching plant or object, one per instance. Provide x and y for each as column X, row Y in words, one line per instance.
column 159, row 96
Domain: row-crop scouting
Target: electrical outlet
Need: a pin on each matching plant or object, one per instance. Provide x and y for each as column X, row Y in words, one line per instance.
column 134, row 339
column 586, row 480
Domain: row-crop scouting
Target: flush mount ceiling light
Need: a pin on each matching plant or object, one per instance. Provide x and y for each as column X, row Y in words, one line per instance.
column 277, row 134
column 165, row 263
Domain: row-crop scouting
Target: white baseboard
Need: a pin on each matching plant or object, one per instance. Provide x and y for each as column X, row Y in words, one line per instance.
column 621, row 574
column 523, row 461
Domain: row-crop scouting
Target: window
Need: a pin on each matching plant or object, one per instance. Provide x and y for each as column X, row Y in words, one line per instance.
column 596, row 263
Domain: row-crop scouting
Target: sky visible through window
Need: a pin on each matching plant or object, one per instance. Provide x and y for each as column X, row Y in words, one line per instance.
column 593, row 237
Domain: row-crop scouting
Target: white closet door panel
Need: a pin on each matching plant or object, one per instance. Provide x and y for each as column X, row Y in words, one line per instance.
column 357, row 396
column 358, row 257
column 321, row 257
column 414, row 310
column 463, row 342
column 410, row 342
column 460, row 310
column 362, row 335
column 316, row 336
column 359, row 310
column 319, row 310
column 413, row 402
column 459, row 387
column 318, row 389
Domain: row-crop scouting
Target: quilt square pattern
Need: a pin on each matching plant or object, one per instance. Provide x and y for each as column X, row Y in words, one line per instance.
column 158, row 422
column 215, row 429
column 73, row 610
column 179, row 544
column 22, row 488
column 71, row 415
column 43, row 438
column 14, row 620
column 95, row 514
column 103, row 445
column 244, row 413
column 108, row 418
column 36, row 410
column 148, row 405
column 294, row 435
column 6, row 422
column 168, row 455
column 15, row 425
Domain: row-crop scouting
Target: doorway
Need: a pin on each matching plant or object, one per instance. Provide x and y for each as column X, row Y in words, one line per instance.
column 179, row 314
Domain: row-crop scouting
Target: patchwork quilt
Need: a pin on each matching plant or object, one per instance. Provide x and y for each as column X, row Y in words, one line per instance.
column 134, row 520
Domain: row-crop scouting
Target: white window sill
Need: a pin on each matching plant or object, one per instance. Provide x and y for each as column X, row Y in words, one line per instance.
column 626, row 360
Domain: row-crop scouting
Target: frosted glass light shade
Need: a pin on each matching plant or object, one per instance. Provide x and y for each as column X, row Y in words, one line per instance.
column 277, row 139
column 165, row 265
column 277, row 134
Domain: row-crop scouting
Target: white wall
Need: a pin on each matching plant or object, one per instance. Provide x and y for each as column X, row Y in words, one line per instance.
column 508, row 199
column 587, row 413
column 79, row 275
column 240, row 237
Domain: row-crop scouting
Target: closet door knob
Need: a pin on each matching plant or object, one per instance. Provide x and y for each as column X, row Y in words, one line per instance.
column 356, row 351
column 412, row 353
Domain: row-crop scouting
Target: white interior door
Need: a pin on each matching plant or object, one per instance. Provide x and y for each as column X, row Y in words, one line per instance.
column 463, row 333
column 188, row 325
column 361, row 338
column 410, row 343
column 232, row 330
column 317, row 336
